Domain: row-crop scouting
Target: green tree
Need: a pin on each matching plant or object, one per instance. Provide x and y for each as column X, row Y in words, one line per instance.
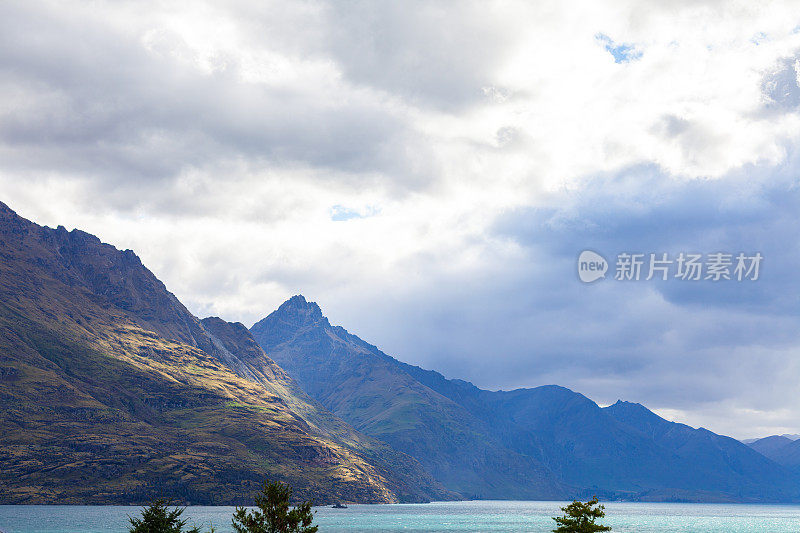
column 159, row 518
column 273, row 515
column 580, row 517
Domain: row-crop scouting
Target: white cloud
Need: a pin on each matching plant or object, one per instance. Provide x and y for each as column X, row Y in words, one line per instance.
column 220, row 140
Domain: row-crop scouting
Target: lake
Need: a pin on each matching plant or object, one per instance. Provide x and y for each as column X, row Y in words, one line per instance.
column 502, row 516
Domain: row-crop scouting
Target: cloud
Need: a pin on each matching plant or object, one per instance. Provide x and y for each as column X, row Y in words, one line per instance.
column 146, row 104
column 429, row 175
column 780, row 86
column 424, row 52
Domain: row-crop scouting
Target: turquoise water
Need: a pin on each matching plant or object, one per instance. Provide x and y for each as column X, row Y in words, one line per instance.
column 475, row 516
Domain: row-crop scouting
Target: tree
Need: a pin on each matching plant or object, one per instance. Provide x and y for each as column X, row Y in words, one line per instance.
column 273, row 514
column 580, row 517
column 159, row 518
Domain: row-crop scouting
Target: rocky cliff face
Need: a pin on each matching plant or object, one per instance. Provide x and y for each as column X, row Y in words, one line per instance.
column 112, row 392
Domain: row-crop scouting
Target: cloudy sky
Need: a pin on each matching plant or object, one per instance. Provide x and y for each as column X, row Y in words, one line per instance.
column 429, row 172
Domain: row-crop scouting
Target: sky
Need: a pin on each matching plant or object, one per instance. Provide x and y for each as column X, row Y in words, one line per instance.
column 429, row 172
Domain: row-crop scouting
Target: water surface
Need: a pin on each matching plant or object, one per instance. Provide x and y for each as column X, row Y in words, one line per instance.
column 499, row 516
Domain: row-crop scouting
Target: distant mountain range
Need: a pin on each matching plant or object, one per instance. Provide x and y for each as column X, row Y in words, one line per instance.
column 782, row 449
column 789, row 436
column 111, row 391
column 545, row 442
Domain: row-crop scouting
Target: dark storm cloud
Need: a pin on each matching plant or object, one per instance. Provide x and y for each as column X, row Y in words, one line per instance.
column 640, row 210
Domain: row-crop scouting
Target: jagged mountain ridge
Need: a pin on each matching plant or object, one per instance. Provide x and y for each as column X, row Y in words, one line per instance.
column 112, row 392
column 578, row 448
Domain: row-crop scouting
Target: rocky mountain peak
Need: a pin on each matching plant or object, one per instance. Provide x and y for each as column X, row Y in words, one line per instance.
column 299, row 311
column 294, row 315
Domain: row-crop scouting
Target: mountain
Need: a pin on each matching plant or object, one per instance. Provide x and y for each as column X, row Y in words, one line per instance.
column 787, row 436
column 368, row 389
column 635, row 453
column 770, row 446
column 715, row 461
column 460, row 433
column 783, row 449
column 112, row 392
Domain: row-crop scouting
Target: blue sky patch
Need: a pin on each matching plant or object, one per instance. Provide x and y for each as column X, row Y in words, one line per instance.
column 340, row 213
column 623, row 53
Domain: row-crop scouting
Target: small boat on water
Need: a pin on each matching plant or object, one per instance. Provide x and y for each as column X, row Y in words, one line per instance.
column 338, row 506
